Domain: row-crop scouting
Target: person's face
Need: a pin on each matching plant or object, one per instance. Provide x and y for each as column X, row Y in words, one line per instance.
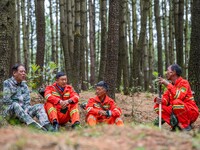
column 62, row 81
column 100, row 91
column 20, row 74
column 170, row 73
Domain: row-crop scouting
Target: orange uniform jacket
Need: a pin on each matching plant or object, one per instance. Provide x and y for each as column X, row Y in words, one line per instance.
column 179, row 97
column 53, row 94
column 94, row 105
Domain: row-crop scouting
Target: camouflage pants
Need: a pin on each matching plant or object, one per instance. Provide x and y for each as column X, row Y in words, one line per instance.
column 38, row 111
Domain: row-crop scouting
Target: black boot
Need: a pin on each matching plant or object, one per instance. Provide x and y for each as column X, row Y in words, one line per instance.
column 49, row 127
column 156, row 122
column 55, row 125
column 76, row 125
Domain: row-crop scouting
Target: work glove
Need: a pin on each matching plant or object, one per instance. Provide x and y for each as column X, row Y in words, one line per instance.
column 108, row 113
column 173, row 120
column 83, row 105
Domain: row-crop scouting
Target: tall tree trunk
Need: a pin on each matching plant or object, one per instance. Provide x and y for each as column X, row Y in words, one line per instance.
column 103, row 16
column 175, row 15
column 151, row 47
column 83, row 44
column 123, row 46
column 164, row 5
column 7, row 14
column 92, row 41
column 112, row 46
column 159, row 36
column 40, row 29
column 77, row 38
column 18, row 58
column 146, row 70
column 194, row 62
column 171, row 33
column 70, row 28
column 32, row 29
column 24, row 31
column 53, row 51
column 64, row 40
column 134, row 72
column 186, row 38
column 180, row 54
column 130, row 45
column 140, row 46
column 56, row 41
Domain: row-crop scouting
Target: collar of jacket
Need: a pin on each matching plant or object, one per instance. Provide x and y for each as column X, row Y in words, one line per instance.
column 15, row 82
column 178, row 80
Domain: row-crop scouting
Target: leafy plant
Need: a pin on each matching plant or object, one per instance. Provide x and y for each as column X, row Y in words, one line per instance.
column 50, row 72
column 35, row 75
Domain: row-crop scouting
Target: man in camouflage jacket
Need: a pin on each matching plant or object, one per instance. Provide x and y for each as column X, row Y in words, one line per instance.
column 16, row 101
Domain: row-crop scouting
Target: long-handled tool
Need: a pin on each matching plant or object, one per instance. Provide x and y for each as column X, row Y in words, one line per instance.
column 160, row 106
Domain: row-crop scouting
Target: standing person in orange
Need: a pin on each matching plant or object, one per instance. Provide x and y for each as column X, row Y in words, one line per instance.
column 103, row 109
column 62, row 102
column 178, row 106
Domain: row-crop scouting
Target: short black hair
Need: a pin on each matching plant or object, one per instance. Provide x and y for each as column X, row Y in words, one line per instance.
column 103, row 84
column 16, row 66
column 60, row 74
column 177, row 68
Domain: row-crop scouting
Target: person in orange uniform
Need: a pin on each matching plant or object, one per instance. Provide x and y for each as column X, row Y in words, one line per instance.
column 102, row 109
column 177, row 100
column 62, row 102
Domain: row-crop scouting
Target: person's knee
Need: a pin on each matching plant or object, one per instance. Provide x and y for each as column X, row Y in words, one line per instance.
column 16, row 106
column 119, row 121
column 177, row 102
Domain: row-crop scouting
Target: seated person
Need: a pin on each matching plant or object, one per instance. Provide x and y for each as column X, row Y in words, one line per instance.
column 16, row 101
column 178, row 106
column 103, row 109
column 62, row 102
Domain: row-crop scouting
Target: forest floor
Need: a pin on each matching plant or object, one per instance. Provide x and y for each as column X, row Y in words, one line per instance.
column 137, row 134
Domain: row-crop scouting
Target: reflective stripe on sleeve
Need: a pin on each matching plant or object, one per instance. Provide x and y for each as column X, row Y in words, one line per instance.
column 88, row 109
column 177, row 94
column 47, row 96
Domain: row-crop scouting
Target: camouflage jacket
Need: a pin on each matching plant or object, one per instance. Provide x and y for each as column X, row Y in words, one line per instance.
column 16, row 92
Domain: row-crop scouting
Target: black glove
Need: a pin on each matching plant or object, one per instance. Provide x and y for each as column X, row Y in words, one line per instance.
column 83, row 105
column 109, row 113
column 173, row 120
column 64, row 110
column 41, row 91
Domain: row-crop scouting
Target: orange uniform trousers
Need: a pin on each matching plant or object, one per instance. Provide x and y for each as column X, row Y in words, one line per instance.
column 185, row 113
column 72, row 113
column 92, row 120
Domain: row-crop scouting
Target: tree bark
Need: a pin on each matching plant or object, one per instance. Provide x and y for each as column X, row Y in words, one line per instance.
column 92, row 41
column 194, row 62
column 159, row 36
column 112, row 46
column 103, row 16
column 40, row 29
column 7, row 13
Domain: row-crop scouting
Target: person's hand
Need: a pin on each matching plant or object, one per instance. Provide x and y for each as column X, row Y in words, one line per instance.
column 102, row 112
column 158, row 100
column 63, row 104
column 163, row 81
